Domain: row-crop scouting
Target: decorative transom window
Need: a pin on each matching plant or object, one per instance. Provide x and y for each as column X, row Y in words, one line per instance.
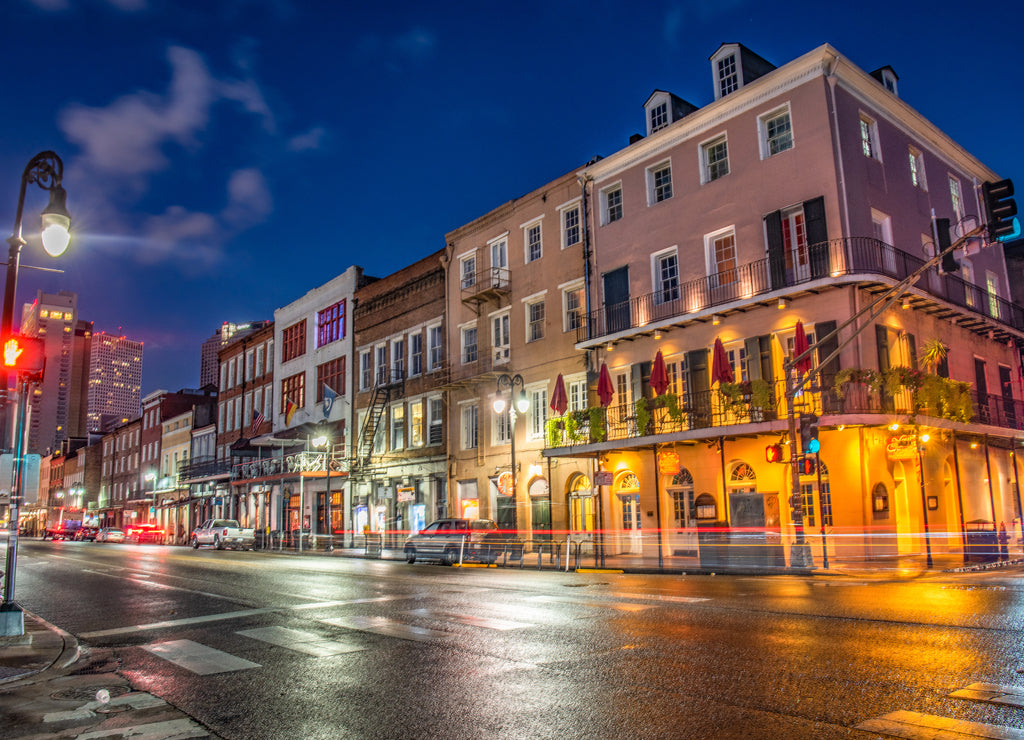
column 715, row 156
column 629, row 482
column 660, row 182
column 776, row 132
column 742, row 473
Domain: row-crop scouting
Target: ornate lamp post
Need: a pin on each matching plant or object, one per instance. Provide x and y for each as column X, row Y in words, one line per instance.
column 515, row 402
column 47, row 171
column 324, row 441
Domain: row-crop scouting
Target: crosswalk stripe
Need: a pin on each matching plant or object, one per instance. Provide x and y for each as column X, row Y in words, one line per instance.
column 485, row 622
column 545, row 599
column 299, row 641
column 993, row 693
column 198, row 658
column 173, row 623
column 917, row 726
column 387, row 627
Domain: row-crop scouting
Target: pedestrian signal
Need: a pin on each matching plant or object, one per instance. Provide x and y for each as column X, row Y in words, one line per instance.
column 23, row 354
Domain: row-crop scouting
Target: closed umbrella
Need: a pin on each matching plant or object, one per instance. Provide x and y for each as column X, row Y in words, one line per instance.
column 799, row 347
column 721, row 370
column 659, row 377
column 559, row 398
column 605, row 389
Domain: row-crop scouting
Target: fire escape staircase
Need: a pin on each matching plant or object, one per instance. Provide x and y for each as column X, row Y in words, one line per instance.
column 383, row 392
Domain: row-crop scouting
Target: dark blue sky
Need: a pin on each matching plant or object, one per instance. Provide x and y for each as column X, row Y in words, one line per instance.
column 225, row 156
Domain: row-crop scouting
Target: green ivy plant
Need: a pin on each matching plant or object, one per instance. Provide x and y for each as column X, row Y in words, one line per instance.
column 598, row 430
column 553, row 429
column 643, row 417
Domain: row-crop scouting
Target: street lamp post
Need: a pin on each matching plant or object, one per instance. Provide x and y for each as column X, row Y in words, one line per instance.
column 324, row 441
column 47, row 171
column 516, row 402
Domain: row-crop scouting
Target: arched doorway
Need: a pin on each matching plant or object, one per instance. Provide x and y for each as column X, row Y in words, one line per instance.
column 627, row 501
column 746, row 506
column 682, row 534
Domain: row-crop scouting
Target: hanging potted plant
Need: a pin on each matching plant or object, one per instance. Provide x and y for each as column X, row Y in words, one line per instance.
column 675, row 411
column 852, row 385
column 598, row 431
column 643, row 417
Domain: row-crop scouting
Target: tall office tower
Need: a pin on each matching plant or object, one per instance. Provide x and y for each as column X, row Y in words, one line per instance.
column 209, row 371
column 57, row 403
column 115, row 380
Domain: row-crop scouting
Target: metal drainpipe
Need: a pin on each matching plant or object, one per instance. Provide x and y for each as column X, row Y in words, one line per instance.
column 657, row 506
column 959, row 495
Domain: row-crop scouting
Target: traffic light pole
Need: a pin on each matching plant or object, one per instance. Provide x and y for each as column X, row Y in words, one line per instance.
column 12, row 617
column 800, row 556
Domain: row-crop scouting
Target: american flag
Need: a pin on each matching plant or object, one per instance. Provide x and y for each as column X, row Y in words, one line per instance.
column 257, row 419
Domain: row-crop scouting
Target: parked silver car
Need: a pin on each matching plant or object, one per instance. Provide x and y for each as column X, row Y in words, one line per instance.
column 110, row 534
column 448, row 539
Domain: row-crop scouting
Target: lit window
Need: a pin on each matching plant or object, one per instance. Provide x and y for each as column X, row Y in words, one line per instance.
column 330, row 324
column 869, row 137
column 917, row 168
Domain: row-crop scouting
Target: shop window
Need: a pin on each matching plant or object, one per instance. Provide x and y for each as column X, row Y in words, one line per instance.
column 707, row 509
column 880, row 501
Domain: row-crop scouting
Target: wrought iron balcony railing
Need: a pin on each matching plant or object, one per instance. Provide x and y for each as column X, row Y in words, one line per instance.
column 832, row 259
column 203, row 469
column 709, row 409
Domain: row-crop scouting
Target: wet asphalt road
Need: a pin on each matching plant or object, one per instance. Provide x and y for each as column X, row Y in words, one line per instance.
column 268, row 645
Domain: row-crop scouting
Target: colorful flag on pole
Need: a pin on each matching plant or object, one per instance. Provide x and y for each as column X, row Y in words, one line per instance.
column 257, row 419
column 290, row 407
column 329, row 397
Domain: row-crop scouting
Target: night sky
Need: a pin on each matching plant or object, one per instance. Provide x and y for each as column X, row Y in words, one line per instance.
column 223, row 157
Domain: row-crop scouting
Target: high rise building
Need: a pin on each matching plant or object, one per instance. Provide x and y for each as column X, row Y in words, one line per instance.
column 115, row 380
column 208, row 367
column 58, row 403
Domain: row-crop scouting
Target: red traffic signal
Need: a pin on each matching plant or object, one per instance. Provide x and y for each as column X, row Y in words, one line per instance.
column 808, row 466
column 773, row 453
column 23, row 354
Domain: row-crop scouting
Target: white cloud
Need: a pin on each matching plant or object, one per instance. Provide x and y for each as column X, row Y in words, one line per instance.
column 312, row 139
column 249, row 199
column 182, row 236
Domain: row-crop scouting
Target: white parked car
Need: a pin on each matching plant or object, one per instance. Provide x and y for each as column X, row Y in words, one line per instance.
column 221, row 533
column 110, row 534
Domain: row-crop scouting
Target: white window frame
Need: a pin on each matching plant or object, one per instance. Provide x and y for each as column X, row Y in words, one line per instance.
column 576, row 390
column 463, row 328
column 529, row 226
column 498, row 247
column 416, row 407
column 656, row 281
column 658, row 109
column 703, row 151
column 469, row 424
column 868, row 124
column 956, row 197
column 605, row 213
column 652, row 186
column 501, row 428
column 434, row 420
column 501, row 351
column 915, row 160
column 566, row 289
column 712, row 261
column 537, row 413
column 762, row 130
column 398, row 347
column 435, row 363
column 380, row 363
column 528, row 302
column 717, row 61
column 365, row 369
column 397, row 426
column 573, row 206
column 415, row 357
column 467, row 279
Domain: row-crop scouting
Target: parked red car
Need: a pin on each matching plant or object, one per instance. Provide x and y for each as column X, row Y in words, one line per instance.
column 143, row 533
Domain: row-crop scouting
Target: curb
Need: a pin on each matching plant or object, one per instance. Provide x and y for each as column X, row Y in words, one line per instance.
column 69, row 654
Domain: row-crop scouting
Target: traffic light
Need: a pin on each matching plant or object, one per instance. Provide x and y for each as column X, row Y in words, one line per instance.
column 773, row 453
column 809, row 433
column 808, row 466
column 942, row 243
column 23, row 354
column 1002, row 210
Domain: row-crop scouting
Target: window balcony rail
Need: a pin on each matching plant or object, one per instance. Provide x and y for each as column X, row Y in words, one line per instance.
column 203, row 469
column 486, row 283
column 832, row 259
column 709, row 409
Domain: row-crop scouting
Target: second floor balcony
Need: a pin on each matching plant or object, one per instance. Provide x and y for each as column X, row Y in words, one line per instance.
column 848, row 260
column 203, row 469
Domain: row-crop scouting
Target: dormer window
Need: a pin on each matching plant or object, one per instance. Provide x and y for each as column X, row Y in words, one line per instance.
column 728, row 76
column 659, row 117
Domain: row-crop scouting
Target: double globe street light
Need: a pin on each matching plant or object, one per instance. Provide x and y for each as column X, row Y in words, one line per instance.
column 47, row 171
column 515, row 402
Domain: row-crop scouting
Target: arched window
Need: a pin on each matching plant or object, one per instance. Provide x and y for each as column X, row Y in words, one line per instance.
column 628, row 482
column 880, row 501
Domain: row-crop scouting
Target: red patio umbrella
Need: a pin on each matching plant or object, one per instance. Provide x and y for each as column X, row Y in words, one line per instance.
column 605, row 389
column 799, row 347
column 559, row 398
column 721, row 370
column 659, row 377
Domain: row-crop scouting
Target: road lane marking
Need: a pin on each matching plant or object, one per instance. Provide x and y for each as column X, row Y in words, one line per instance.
column 299, row 641
column 584, row 601
column 198, row 658
column 174, row 623
column 659, row 597
column 917, row 726
column 346, row 602
column 387, row 627
column 993, row 693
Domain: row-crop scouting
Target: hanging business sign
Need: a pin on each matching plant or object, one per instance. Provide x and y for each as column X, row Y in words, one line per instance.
column 668, row 462
column 406, row 494
column 901, row 447
column 603, row 478
column 505, row 484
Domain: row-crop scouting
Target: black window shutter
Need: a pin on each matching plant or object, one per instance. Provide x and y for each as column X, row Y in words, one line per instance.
column 828, row 371
column 776, row 251
column 882, row 346
column 817, row 236
column 697, row 367
column 753, row 349
column 912, row 349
